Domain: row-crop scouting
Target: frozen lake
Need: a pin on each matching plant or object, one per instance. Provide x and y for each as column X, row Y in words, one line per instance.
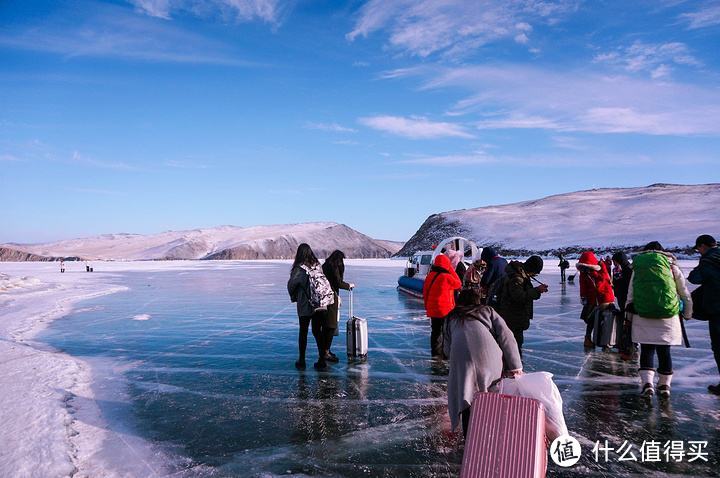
column 200, row 364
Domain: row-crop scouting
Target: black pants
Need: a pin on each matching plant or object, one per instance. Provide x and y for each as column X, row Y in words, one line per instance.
column 436, row 337
column 465, row 420
column 714, row 325
column 520, row 339
column 317, row 321
column 647, row 358
column 329, row 335
column 562, row 275
column 589, row 318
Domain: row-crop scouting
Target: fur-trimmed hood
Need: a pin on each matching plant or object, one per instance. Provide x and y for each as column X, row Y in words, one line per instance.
column 589, row 260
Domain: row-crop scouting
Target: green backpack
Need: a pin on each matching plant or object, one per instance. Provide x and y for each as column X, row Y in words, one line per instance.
column 654, row 292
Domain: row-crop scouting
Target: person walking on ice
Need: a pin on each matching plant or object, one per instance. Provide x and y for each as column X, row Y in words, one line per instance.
column 654, row 309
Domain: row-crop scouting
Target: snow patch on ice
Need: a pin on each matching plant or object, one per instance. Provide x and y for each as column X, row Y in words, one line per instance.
column 142, row 317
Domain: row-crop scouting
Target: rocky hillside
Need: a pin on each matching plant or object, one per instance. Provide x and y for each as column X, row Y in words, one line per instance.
column 602, row 219
column 223, row 242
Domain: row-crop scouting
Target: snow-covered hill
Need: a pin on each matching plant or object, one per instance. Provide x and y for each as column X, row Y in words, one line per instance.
column 603, row 219
column 223, row 242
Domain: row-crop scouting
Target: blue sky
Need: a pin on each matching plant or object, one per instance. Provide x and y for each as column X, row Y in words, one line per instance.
column 149, row 115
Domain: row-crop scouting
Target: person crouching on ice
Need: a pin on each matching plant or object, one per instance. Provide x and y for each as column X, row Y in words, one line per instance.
column 595, row 291
column 439, row 297
column 654, row 308
column 480, row 347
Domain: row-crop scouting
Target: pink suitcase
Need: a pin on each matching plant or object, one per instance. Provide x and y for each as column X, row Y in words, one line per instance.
column 506, row 438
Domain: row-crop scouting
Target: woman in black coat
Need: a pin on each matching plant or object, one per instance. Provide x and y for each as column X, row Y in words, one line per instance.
column 299, row 289
column 334, row 270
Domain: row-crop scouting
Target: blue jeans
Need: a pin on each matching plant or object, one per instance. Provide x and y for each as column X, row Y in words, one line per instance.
column 647, row 358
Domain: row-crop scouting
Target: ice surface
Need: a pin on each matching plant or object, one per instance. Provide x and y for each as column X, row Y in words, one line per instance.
column 207, row 387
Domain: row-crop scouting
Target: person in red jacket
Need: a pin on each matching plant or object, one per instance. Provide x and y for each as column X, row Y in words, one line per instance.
column 595, row 290
column 439, row 297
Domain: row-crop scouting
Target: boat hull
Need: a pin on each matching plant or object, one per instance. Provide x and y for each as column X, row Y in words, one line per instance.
column 411, row 285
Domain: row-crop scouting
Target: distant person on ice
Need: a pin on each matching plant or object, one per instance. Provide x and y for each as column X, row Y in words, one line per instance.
column 494, row 272
column 439, row 298
column 654, row 307
column 480, row 347
column 62, row 265
column 516, row 296
column 299, row 289
column 563, row 265
column 334, row 270
column 707, row 275
column 596, row 293
column 622, row 270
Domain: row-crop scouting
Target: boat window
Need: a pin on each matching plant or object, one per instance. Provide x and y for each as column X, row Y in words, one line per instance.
column 425, row 260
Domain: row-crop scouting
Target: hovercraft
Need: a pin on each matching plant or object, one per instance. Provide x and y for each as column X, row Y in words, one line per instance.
column 418, row 266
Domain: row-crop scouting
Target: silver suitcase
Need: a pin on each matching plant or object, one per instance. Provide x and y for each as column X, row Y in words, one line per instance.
column 357, row 336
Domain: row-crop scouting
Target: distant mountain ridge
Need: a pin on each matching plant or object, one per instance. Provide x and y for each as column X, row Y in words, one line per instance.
column 602, row 219
column 222, row 242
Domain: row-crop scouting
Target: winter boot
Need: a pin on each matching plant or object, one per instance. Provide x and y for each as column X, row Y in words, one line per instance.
column 714, row 389
column 664, row 385
column 647, row 378
column 589, row 344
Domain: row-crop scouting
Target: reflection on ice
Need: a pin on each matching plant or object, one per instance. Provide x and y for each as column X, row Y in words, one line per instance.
column 210, row 378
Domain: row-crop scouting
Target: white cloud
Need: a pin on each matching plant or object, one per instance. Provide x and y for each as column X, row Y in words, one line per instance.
column 239, row 10
column 707, row 16
column 415, row 127
column 649, row 57
column 513, row 96
column 184, row 164
column 478, row 157
column 110, row 31
column 454, row 27
column 331, row 127
column 78, row 158
column 9, row 157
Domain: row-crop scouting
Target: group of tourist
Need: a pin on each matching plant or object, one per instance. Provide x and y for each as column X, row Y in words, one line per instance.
column 479, row 314
column 484, row 315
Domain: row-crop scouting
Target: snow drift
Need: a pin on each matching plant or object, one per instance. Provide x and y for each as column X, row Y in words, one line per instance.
column 599, row 218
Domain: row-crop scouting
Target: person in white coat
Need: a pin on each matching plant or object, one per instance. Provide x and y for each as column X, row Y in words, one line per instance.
column 656, row 288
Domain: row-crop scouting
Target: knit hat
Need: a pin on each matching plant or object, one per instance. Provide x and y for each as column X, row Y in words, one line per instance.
column 487, row 254
column 533, row 265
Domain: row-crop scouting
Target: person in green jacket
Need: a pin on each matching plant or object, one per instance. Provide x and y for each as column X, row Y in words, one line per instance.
column 517, row 295
column 653, row 304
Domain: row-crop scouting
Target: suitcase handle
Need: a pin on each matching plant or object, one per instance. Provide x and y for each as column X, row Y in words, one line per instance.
column 351, row 304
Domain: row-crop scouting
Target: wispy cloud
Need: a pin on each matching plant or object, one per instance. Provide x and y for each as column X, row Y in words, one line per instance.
column 647, row 57
column 331, row 127
column 707, row 16
column 455, row 27
column 514, row 96
column 239, row 10
column 8, row 157
column 111, row 31
column 184, row 164
column 415, row 127
column 81, row 159
column 478, row 157
column 101, row 192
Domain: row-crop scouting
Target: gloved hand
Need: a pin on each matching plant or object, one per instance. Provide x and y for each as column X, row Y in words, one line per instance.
column 352, row 286
column 630, row 308
column 583, row 301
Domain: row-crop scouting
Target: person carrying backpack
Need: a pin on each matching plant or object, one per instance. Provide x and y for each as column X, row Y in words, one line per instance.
column 439, row 298
column 334, row 270
column 654, row 308
column 563, row 265
column 707, row 276
column 596, row 293
column 493, row 274
column 517, row 294
column 311, row 291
